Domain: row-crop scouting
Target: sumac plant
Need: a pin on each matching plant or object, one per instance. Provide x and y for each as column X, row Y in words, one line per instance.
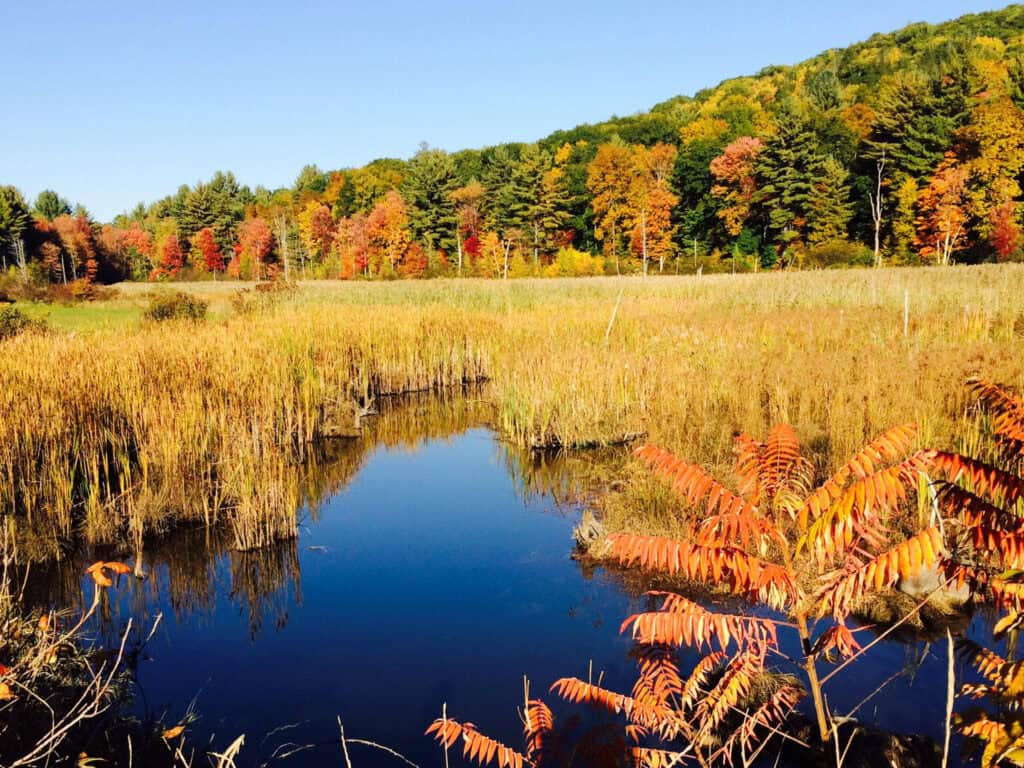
column 809, row 551
column 983, row 498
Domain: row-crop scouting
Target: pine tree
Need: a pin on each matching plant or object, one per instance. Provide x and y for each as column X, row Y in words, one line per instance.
column 914, row 122
column 211, row 205
column 787, row 170
column 15, row 220
column 501, row 210
column 830, row 209
column 49, row 205
column 427, row 188
column 537, row 187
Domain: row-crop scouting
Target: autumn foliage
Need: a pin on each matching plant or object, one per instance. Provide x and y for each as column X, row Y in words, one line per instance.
column 808, row 551
column 170, row 259
column 207, row 250
column 983, row 500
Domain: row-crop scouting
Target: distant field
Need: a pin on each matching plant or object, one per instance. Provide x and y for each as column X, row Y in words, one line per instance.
column 140, row 418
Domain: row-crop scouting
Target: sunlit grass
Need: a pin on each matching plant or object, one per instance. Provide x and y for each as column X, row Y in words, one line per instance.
column 125, row 426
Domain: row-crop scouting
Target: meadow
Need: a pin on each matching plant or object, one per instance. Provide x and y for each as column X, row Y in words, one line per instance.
column 115, row 426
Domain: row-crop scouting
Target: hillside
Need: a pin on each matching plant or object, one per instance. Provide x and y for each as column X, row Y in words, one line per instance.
column 905, row 148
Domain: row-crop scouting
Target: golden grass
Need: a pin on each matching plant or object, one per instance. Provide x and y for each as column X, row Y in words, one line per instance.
column 111, row 432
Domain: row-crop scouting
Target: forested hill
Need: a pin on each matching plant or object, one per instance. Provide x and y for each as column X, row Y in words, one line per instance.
column 913, row 140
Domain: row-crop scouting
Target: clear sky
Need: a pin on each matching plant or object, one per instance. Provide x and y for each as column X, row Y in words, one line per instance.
column 113, row 103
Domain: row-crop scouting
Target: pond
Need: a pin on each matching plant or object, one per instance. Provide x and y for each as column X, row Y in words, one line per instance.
column 436, row 569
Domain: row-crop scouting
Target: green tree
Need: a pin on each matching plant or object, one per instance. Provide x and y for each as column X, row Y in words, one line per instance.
column 830, row 207
column 212, row 205
column 427, row 189
column 311, row 179
column 823, row 89
column 787, row 170
column 537, row 195
column 914, row 123
column 15, row 220
column 49, row 205
column 501, row 211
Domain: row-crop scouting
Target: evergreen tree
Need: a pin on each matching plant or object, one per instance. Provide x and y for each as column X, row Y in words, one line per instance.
column 914, row 123
column 537, row 193
column 787, row 170
column 211, row 205
column 15, row 220
column 429, row 182
column 830, row 207
column 310, row 179
column 49, row 205
column 501, row 210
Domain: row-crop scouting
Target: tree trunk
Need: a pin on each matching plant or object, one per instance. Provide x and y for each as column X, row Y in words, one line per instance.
column 643, row 236
column 19, row 256
column 615, row 249
column 282, row 241
column 536, row 246
column 812, row 677
column 876, row 208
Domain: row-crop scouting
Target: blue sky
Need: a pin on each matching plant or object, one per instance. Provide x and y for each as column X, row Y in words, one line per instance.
column 113, row 103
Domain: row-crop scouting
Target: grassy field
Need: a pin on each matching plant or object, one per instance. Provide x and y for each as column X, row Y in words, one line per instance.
column 114, row 426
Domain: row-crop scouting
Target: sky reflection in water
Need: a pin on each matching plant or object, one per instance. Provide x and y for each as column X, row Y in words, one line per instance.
column 431, row 577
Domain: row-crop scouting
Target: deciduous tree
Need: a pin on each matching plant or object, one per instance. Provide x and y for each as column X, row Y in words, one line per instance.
column 609, row 178
column 170, row 258
column 256, row 241
column 204, row 245
column 735, row 183
column 942, row 211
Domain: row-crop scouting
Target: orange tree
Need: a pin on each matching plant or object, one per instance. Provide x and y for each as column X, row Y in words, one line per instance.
column 780, row 541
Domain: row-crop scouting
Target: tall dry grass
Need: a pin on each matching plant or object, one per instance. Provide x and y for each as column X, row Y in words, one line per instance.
column 111, row 434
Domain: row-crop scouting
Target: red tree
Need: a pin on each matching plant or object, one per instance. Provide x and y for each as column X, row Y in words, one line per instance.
column 77, row 239
column 733, row 171
column 472, row 246
column 1006, row 234
column 256, row 239
column 208, row 250
column 171, row 259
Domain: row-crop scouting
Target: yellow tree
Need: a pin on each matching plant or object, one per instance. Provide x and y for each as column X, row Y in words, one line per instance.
column 316, row 229
column 651, row 202
column 609, row 179
column 387, row 230
column 494, row 252
column 992, row 144
column 904, row 221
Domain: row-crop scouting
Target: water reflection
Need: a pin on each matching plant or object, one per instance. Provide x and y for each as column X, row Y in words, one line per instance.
column 181, row 569
column 432, row 566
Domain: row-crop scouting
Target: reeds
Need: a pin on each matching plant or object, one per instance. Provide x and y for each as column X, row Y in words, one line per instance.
column 111, row 433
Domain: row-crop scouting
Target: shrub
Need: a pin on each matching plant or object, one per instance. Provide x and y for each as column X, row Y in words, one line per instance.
column 263, row 297
column 838, row 253
column 175, row 306
column 572, row 263
column 77, row 291
column 13, row 321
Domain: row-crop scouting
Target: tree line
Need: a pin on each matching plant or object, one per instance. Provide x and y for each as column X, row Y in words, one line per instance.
column 907, row 148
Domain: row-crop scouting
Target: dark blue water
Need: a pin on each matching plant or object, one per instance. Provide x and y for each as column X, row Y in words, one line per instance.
column 431, row 577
